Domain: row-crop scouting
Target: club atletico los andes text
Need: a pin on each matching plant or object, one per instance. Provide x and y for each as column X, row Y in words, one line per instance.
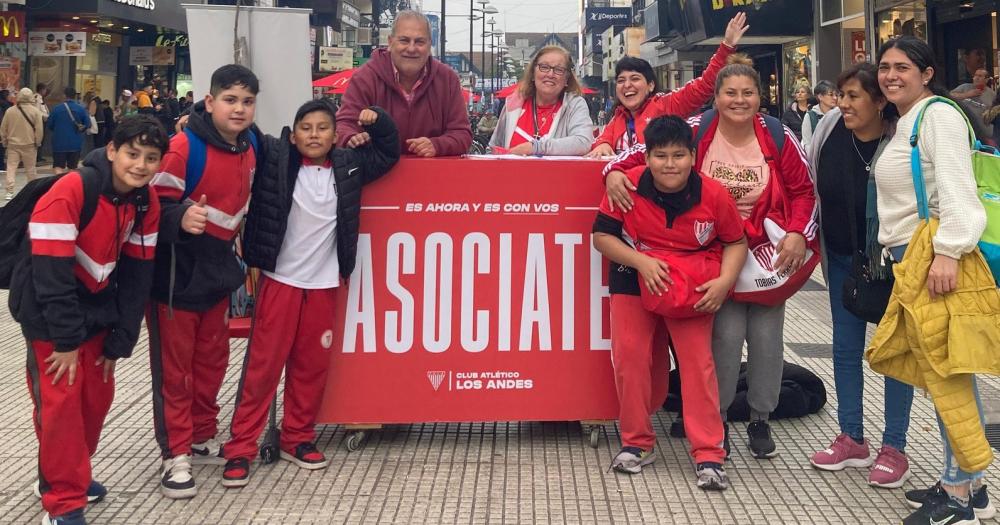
column 514, row 292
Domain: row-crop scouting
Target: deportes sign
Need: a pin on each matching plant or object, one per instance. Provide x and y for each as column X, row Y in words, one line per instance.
column 601, row 18
column 477, row 297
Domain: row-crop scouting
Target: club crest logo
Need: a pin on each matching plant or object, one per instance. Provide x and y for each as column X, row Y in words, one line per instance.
column 703, row 231
column 436, row 377
column 764, row 254
column 327, row 339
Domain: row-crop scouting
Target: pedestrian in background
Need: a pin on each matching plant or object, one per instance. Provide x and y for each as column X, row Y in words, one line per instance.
column 67, row 123
column 826, row 93
column 21, row 134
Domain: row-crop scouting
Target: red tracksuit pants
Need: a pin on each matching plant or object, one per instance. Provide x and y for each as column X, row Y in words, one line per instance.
column 68, row 421
column 636, row 335
column 188, row 356
column 292, row 330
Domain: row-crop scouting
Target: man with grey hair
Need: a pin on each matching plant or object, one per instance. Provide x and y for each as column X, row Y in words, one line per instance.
column 421, row 94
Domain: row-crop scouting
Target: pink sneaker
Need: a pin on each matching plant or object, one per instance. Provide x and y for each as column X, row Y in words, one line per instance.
column 891, row 469
column 843, row 453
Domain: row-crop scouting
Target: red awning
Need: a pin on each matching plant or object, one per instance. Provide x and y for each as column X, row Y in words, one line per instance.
column 337, row 82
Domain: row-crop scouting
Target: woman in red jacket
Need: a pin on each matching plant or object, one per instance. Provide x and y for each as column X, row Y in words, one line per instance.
column 638, row 101
column 770, row 183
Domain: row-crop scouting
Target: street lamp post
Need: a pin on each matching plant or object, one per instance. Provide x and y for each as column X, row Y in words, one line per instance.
column 492, row 23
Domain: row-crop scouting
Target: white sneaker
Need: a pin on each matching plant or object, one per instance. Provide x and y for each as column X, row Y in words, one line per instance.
column 177, row 481
column 208, row 452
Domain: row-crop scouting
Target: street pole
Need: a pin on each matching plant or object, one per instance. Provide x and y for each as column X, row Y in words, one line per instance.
column 472, row 14
column 441, row 36
column 482, row 56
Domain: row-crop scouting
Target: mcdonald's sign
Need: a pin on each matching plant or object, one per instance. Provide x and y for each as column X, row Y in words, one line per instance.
column 12, row 26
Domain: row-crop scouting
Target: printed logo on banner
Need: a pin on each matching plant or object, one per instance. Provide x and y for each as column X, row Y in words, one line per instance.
column 703, row 231
column 436, row 377
column 764, row 253
column 327, row 339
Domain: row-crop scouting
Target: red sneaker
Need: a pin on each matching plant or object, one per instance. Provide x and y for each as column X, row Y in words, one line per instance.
column 843, row 453
column 891, row 469
column 306, row 456
column 236, row 473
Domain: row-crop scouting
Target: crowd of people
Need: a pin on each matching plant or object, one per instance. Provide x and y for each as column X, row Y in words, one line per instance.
column 689, row 207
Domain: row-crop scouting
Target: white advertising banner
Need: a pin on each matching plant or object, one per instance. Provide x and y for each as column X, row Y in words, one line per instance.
column 57, row 43
column 274, row 43
column 334, row 59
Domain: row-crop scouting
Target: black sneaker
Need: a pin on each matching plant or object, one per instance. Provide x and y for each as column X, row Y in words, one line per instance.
column 237, row 473
column 945, row 511
column 95, row 492
column 677, row 428
column 981, row 504
column 306, row 456
column 759, row 437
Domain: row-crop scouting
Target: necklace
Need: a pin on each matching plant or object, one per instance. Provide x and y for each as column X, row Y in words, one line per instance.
column 868, row 163
column 545, row 117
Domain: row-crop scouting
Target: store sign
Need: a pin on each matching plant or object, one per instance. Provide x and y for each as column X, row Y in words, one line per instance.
column 471, row 308
column 12, row 26
column 722, row 4
column 858, row 54
column 350, row 15
column 172, row 40
column 10, row 73
column 333, row 59
column 601, row 18
column 141, row 4
column 66, row 44
column 151, row 56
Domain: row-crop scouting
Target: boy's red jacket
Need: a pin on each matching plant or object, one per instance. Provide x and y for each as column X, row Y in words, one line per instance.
column 77, row 283
column 682, row 102
column 195, row 272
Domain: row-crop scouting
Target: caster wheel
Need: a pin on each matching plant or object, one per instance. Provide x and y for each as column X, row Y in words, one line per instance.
column 268, row 454
column 354, row 441
column 595, row 435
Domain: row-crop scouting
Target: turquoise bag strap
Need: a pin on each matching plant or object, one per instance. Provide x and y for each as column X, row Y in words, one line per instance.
column 915, row 169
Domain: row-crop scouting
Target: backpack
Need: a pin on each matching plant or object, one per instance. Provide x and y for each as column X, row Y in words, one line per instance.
column 197, row 156
column 774, row 127
column 15, row 216
column 985, row 168
column 241, row 300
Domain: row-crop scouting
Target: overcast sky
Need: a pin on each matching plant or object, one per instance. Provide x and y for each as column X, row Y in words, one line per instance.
column 542, row 16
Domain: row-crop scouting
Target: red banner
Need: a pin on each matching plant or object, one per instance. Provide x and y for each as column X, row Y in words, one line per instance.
column 477, row 297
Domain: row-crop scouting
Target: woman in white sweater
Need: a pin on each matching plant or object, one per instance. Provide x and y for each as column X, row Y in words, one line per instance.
column 907, row 78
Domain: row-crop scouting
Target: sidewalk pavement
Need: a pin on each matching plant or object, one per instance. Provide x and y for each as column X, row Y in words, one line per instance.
column 483, row 473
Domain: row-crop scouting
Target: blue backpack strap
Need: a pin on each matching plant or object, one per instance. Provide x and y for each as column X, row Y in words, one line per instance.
column 777, row 131
column 197, row 155
column 254, row 143
column 703, row 125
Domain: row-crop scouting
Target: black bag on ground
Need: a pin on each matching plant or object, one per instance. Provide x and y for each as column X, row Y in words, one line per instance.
column 15, row 216
column 802, row 393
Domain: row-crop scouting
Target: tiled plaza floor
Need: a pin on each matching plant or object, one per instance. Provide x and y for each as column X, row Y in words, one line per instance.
column 479, row 473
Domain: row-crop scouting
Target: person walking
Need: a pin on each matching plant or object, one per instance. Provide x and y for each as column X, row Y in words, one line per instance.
column 67, row 123
column 826, row 93
column 21, row 134
column 796, row 113
column 845, row 147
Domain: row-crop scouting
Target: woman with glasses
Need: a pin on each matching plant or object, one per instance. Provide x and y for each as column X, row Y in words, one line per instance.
column 547, row 115
column 827, row 95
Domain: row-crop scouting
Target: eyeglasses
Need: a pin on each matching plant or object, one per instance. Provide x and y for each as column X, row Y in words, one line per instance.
column 545, row 68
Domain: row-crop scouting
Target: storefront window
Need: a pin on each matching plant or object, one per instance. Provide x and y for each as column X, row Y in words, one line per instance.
column 797, row 67
column 96, row 72
column 905, row 19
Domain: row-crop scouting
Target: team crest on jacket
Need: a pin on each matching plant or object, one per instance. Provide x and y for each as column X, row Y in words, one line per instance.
column 703, row 231
column 327, row 339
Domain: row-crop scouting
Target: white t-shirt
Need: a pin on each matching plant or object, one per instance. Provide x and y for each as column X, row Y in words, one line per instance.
column 308, row 256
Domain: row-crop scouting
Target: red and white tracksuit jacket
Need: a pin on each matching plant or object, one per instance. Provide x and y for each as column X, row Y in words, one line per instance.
column 195, row 274
column 83, row 291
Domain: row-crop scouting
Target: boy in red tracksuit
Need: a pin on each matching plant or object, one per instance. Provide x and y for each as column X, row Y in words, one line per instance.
column 79, row 299
column 196, row 271
column 676, row 212
column 302, row 232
